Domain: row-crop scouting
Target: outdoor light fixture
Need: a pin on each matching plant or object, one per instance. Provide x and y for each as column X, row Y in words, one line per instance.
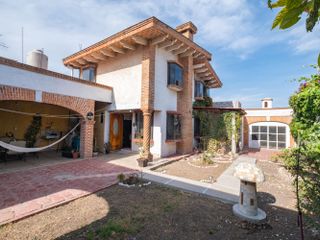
column 90, row 116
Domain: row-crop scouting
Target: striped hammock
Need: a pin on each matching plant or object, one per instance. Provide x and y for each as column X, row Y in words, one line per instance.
column 29, row 150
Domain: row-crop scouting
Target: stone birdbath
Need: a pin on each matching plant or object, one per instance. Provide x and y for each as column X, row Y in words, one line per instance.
column 247, row 208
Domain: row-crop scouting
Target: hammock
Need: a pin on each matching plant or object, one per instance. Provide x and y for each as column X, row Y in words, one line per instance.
column 29, row 150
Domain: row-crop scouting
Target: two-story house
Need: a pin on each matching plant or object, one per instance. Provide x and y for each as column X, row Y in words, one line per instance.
column 141, row 84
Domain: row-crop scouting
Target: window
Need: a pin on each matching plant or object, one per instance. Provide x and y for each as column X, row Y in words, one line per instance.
column 89, row 74
column 265, row 104
column 272, row 137
column 196, row 127
column 175, row 75
column 173, row 126
column 198, row 89
column 139, row 125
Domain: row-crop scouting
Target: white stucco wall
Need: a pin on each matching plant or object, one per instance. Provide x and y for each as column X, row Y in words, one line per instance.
column 269, row 112
column 17, row 77
column 165, row 100
column 123, row 73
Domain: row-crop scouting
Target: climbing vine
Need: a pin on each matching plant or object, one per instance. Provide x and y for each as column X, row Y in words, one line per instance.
column 218, row 126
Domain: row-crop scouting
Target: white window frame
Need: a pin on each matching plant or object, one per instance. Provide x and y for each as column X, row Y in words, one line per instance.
column 256, row 143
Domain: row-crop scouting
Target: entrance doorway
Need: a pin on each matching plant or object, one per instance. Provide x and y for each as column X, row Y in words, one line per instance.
column 127, row 133
column 116, row 131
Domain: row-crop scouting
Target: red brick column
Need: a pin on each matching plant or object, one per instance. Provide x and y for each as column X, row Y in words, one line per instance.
column 86, row 138
column 184, row 107
column 147, row 96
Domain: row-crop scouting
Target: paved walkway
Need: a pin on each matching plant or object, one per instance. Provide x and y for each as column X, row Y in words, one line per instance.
column 226, row 188
column 26, row 192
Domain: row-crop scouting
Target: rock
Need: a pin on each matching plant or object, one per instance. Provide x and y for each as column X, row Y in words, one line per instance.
column 248, row 172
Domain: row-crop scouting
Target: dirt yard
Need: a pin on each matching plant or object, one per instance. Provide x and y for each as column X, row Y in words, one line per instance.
column 157, row 212
column 186, row 169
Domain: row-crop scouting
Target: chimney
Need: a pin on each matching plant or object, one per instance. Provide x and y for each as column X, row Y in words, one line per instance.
column 266, row 102
column 187, row 29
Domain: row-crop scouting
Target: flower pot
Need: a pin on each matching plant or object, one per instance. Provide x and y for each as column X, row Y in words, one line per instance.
column 75, row 155
column 142, row 162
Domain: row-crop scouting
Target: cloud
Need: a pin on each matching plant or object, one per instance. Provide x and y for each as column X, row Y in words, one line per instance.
column 61, row 26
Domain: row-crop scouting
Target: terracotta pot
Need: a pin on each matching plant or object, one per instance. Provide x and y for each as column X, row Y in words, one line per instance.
column 142, row 162
column 75, row 155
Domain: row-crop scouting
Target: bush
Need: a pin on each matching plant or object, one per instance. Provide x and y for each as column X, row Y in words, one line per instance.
column 305, row 128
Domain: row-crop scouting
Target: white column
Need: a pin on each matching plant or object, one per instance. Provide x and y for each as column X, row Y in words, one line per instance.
column 233, row 138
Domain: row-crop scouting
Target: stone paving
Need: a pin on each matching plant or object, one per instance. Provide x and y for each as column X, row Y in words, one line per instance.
column 26, row 192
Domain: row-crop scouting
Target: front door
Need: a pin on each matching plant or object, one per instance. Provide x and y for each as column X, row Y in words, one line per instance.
column 116, row 131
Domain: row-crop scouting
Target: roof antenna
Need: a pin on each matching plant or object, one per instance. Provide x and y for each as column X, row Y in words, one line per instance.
column 2, row 44
column 22, row 45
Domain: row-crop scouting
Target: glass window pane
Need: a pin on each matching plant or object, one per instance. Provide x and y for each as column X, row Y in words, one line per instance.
column 255, row 137
column 272, row 144
column 170, row 126
column 255, row 129
column 272, row 129
column 263, row 144
column 281, row 129
column 272, row 137
column 263, row 128
column 88, row 74
column 281, row 145
column 281, row 138
column 263, row 136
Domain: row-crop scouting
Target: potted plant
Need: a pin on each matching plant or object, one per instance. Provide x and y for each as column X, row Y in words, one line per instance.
column 75, row 154
column 142, row 161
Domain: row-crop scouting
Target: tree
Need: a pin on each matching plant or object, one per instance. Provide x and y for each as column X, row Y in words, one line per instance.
column 291, row 12
column 304, row 160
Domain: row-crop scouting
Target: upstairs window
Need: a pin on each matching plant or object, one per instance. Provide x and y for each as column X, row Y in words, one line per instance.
column 198, row 89
column 89, row 74
column 173, row 126
column 175, row 76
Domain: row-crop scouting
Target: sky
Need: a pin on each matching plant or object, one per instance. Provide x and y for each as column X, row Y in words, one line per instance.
column 252, row 61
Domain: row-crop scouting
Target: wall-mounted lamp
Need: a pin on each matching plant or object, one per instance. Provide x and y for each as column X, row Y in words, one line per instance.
column 90, row 116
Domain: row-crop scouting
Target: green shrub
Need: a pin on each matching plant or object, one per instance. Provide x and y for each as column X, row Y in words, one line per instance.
column 305, row 128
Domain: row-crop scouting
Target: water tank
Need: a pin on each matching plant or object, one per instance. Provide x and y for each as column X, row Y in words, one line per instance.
column 37, row 58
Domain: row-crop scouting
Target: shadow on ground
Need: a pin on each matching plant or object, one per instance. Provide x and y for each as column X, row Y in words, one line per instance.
column 157, row 212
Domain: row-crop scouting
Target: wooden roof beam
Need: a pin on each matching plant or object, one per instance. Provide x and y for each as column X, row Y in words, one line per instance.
column 127, row 45
column 140, row 40
column 174, row 46
column 81, row 61
column 167, row 43
column 201, row 70
column 187, row 53
column 117, row 49
column 90, row 59
column 99, row 56
column 159, row 39
column 199, row 65
column 181, row 50
column 107, row 53
column 206, row 74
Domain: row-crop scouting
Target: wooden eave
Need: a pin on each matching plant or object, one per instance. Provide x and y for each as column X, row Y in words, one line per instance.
column 205, row 73
column 141, row 33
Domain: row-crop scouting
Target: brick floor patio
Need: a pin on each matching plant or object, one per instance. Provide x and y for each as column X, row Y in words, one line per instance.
column 261, row 154
column 26, row 192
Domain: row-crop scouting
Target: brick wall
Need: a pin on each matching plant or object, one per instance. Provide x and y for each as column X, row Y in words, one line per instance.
column 147, row 82
column 254, row 119
column 184, row 107
column 15, row 93
column 79, row 105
